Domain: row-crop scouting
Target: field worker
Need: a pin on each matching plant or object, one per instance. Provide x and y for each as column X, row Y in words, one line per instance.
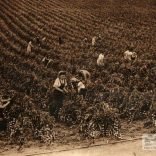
column 38, row 40
column 131, row 56
column 43, row 39
column 100, row 60
column 4, row 102
column 84, row 75
column 94, row 41
column 29, row 47
column 78, row 86
column 81, row 89
column 60, row 40
column 46, row 61
column 59, row 92
column 74, row 81
column 84, row 41
column 99, row 36
column 73, row 87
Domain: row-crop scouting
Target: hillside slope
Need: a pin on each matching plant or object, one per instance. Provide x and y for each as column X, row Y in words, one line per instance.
column 122, row 24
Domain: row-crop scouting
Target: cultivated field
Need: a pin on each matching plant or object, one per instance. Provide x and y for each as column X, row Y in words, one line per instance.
column 125, row 86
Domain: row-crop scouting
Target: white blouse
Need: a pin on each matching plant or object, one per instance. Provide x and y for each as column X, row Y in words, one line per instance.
column 80, row 86
column 58, row 82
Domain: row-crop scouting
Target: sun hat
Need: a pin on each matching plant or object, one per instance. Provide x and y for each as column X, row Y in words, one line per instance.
column 61, row 73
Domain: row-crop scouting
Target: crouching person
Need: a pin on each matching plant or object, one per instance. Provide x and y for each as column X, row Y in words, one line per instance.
column 59, row 92
column 82, row 90
column 130, row 56
column 79, row 87
column 85, row 76
column 100, row 60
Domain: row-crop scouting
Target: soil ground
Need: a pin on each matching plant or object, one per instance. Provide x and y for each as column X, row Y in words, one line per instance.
column 67, row 141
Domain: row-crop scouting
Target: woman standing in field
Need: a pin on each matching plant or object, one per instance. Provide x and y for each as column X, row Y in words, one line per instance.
column 59, row 92
column 29, row 47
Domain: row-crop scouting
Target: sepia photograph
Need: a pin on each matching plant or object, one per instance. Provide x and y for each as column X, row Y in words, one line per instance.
column 77, row 77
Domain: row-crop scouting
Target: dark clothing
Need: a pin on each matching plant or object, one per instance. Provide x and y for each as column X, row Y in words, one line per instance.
column 60, row 40
column 83, row 92
column 57, row 101
column 74, row 86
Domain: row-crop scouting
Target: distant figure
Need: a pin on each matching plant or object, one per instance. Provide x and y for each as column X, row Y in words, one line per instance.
column 37, row 40
column 85, row 40
column 59, row 93
column 94, row 40
column 60, row 40
column 130, row 56
column 44, row 39
column 46, row 61
column 99, row 36
column 29, row 47
column 4, row 102
column 84, row 75
column 82, row 89
column 74, row 81
column 100, row 60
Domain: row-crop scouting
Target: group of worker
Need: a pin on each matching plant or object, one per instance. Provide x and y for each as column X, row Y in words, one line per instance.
column 77, row 83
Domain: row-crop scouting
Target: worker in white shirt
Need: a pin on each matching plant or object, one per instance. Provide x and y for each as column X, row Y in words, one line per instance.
column 79, row 87
column 29, row 47
column 59, row 92
column 100, row 60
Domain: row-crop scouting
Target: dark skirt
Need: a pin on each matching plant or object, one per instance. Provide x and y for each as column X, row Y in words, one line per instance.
column 56, row 102
column 83, row 92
